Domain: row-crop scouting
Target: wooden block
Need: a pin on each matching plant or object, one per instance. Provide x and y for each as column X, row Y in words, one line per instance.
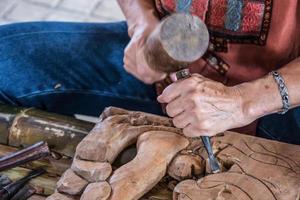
column 96, row 191
column 92, row 171
column 258, row 169
column 36, row 197
column 71, row 184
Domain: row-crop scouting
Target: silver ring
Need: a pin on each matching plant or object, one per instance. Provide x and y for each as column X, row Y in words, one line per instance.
column 182, row 74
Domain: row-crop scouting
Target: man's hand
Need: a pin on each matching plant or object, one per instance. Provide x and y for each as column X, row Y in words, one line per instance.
column 134, row 59
column 202, row 107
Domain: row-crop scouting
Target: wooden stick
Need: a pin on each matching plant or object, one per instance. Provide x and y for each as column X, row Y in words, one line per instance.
column 55, row 167
column 4, row 181
column 10, row 190
column 44, row 185
column 36, row 197
column 31, row 153
column 24, row 193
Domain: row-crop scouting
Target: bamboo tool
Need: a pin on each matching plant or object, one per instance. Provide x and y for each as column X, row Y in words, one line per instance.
column 10, row 190
column 21, row 127
column 179, row 40
column 31, row 153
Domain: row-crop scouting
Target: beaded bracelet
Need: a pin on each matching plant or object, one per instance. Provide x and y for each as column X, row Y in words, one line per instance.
column 283, row 92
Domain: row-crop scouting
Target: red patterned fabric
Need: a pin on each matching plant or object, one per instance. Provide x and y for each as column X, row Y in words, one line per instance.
column 268, row 38
column 253, row 17
column 214, row 13
column 169, row 5
column 217, row 13
column 199, row 8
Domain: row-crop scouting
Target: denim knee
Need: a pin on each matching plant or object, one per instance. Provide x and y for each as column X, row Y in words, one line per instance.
column 284, row 128
column 85, row 61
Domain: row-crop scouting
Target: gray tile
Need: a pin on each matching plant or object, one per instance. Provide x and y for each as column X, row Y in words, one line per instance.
column 50, row 3
column 109, row 9
column 84, row 6
column 66, row 16
column 27, row 12
column 59, row 10
column 6, row 5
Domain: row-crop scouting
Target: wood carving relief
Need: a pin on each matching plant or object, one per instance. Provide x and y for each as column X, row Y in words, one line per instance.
column 259, row 169
column 168, row 165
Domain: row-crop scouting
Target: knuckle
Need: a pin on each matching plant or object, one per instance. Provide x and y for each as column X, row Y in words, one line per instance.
column 190, row 107
column 166, row 99
column 186, row 132
column 194, row 79
column 193, row 114
column 176, row 122
column 199, row 87
column 194, row 94
column 193, row 99
column 169, row 109
column 190, row 83
column 197, row 76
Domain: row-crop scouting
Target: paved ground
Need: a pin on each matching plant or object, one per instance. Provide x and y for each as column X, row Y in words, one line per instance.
column 59, row 10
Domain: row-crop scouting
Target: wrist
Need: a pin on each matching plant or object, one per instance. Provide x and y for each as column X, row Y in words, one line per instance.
column 259, row 98
column 143, row 28
column 142, row 32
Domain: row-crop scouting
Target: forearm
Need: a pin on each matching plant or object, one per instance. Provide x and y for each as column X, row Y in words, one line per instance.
column 261, row 97
column 139, row 13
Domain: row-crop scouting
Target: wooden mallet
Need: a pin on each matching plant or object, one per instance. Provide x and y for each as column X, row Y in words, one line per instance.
column 180, row 39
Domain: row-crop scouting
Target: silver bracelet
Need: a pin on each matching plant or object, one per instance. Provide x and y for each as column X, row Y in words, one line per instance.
column 283, row 92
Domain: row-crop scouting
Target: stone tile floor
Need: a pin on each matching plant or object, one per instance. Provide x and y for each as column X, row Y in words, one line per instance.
column 59, row 10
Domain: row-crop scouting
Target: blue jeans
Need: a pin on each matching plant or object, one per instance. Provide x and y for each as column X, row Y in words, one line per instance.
column 284, row 128
column 73, row 68
column 69, row 68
